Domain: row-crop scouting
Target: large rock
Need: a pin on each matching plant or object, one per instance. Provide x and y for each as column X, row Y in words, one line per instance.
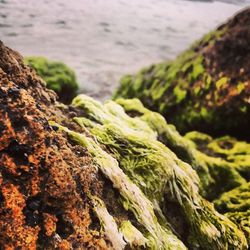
column 90, row 176
column 44, row 180
column 206, row 88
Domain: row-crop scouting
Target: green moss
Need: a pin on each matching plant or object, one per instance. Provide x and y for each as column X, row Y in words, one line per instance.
column 240, row 87
column 236, row 200
column 211, row 170
column 208, row 81
column 221, row 82
column 198, row 138
column 233, row 152
column 133, row 235
column 138, row 84
column 235, row 204
column 198, row 68
column 195, row 91
column 153, row 167
column 241, row 219
column 57, row 76
column 132, row 198
column 211, row 37
column 180, row 94
column 108, row 224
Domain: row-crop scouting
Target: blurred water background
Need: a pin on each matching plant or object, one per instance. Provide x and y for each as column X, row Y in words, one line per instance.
column 105, row 39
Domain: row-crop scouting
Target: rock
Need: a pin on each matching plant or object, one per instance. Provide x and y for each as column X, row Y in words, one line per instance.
column 221, row 164
column 44, row 180
column 58, row 77
column 237, row 153
column 235, row 204
column 170, row 184
column 206, row 88
column 89, row 176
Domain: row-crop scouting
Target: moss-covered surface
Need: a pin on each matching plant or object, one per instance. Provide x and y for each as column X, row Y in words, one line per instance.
column 237, row 153
column 205, row 86
column 166, row 181
column 58, row 76
column 211, row 168
column 221, row 163
column 235, row 204
column 92, row 176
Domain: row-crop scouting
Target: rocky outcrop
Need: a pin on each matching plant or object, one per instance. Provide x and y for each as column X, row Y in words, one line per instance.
column 57, row 76
column 99, row 176
column 44, row 180
column 206, row 88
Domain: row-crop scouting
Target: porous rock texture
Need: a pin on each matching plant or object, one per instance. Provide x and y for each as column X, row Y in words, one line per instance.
column 98, row 176
column 206, row 88
column 44, row 180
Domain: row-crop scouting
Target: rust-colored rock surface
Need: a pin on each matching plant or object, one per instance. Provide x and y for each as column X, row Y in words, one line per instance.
column 44, row 184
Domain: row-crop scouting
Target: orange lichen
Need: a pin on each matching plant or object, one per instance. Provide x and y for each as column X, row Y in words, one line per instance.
column 14, row 203
column 49, row 224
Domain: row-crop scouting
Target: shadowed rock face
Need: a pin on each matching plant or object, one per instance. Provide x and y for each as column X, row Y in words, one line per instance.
column 91, row 176
column 206, row 88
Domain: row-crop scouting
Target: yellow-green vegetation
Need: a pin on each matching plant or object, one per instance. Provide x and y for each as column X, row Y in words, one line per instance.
column 235, row 204
column 58, row 76
column 198, row 90
column 211, row 169
column 158, row 237
column 134, row 152
column 235, row 152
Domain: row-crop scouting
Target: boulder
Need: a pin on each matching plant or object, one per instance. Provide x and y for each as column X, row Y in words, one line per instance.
column 206, row 88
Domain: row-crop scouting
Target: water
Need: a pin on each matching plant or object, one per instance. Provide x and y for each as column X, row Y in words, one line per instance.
column 105, row 39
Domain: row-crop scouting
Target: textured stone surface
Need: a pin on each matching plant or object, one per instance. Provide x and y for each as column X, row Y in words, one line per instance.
column 44, row 180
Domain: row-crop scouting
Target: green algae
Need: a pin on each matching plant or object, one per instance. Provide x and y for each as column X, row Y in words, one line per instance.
column 241, row 219
column 108, row 223
column 133, row 235
column 132, row 197
column 233, row 152
column 180, row 94
column 193, row 92
column 235, row 204
column 236, row 200
column 221, row 82
column 58, row 76
column 209, row 168
column 158, row 172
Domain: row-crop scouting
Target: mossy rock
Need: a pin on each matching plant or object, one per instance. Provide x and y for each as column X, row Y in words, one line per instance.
column 206, row 88
column 235, row 152
column 211, row 167
column 235, row 204
column 98, row 176
column 57, row 75
column 170, row 184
